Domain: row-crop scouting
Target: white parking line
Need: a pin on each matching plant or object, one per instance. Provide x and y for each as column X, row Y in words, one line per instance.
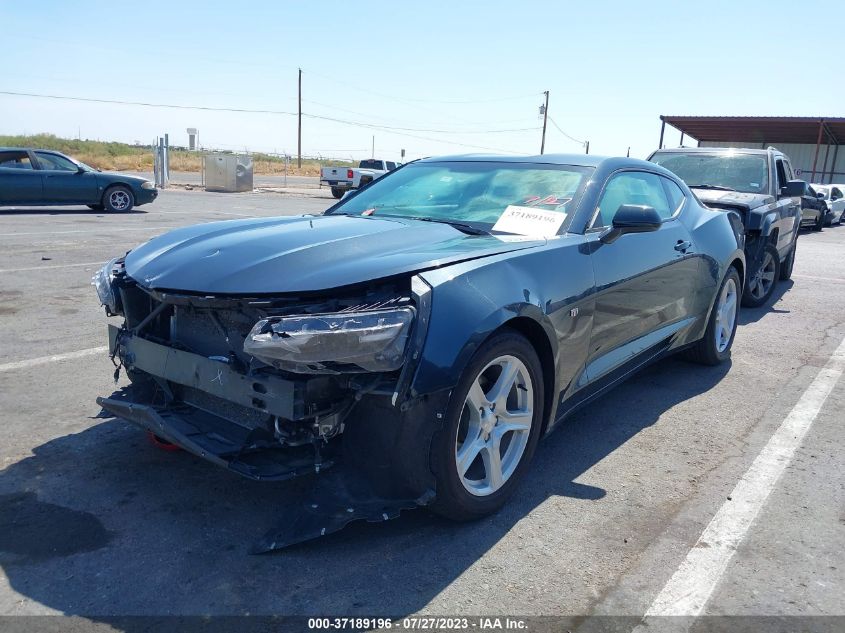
column 125, row 228
column 824, row 279
column 43, row 360
column 52, row 267
column 689, row 589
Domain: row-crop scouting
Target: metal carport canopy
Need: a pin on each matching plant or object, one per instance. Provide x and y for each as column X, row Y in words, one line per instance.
column 759, row 129
column 763, row 130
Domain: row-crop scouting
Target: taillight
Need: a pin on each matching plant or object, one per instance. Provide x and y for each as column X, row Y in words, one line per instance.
column 349, row 174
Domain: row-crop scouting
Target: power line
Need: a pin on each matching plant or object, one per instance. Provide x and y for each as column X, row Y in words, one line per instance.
column 391, row 130
column 574, row 140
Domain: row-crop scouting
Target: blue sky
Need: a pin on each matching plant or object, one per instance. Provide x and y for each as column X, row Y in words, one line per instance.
column 452, row 74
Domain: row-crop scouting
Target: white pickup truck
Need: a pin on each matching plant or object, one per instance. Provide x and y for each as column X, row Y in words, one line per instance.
column 342, row 179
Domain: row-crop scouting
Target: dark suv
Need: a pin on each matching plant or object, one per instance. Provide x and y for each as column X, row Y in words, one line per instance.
column 759, row 185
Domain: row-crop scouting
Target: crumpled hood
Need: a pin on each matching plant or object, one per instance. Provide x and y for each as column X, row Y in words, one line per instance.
column 733, row 198
column 296, row 254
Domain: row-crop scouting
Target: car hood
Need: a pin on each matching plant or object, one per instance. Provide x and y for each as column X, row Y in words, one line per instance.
column 733, row 198
column 107, row 177
column 304, row 253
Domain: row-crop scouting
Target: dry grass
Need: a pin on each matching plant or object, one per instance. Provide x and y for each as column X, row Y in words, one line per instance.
column 122, row 157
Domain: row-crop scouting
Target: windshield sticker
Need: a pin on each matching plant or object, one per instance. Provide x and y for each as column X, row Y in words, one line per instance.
column 529, row 221
column 552, row 201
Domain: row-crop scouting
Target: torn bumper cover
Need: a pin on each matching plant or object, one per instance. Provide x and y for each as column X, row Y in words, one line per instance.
column 249, row 450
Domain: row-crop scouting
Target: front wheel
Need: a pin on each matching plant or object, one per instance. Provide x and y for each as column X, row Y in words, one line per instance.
column 819, row 225
column 715, row 346
column 491, row 429
column 118, row 199
column 761, row 282
column 789, row 263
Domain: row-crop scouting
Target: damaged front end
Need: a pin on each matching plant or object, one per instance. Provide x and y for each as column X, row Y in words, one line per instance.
column 277, row 387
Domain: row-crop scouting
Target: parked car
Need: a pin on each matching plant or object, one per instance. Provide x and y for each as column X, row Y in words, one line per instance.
column 425, row 331
column 758, row 185
column 44, row 177
column 343, row 179
column 834, row 201
column 814, row 210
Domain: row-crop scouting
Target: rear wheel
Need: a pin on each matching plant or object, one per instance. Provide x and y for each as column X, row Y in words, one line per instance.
column 715, row 346
column 337, row 192
column 761, row 282
column 118, row 199
column 491, row 429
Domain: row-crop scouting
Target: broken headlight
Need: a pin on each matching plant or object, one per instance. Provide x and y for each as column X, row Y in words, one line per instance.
column 103, row 281
column 372, row 340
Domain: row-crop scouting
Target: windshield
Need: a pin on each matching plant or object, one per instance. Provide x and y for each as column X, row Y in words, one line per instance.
column 732, row 171
column 475, row 193
column 84, row 166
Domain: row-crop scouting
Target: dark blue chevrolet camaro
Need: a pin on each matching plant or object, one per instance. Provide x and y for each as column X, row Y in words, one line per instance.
column 422, row 334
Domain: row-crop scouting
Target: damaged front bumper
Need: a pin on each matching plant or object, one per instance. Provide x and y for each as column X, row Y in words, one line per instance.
column 195, row 423
column 195, row 386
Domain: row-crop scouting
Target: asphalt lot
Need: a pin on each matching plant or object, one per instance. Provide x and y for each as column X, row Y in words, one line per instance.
column 95, row 521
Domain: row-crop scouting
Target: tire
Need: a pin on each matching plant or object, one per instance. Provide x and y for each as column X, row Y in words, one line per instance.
column 787, row 265
column 118, row 199
column 820, row 222
column 710, row 350
column 828, row 221
column 337, row 192
column 760, row 284
column 479, row 491
column 95, row 207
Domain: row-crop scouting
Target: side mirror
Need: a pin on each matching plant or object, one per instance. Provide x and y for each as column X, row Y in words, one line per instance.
column 793, row 189
column 631, row 218
column 80, row 169
column 820, row 195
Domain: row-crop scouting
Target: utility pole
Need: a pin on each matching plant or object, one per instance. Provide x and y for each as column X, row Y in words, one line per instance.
column 545, row 118
column 299, row 125
column 373, row 155
column 588, row 148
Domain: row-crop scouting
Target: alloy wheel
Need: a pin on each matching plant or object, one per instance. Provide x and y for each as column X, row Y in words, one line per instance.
column 761, row 283
column 726, row 315
column 495, row 425
column 119, row 200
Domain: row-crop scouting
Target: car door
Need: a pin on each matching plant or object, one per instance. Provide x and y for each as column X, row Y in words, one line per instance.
column 837, row 201
column 20, row 183
column 789, row 209
column 646, row 283
column 810, row 204
column 64, row 182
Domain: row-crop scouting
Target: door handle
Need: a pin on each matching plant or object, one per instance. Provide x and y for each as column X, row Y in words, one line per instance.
column 683, row 246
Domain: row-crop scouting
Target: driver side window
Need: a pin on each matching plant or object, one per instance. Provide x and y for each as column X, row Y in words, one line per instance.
column 54, row 162
column 631, row 187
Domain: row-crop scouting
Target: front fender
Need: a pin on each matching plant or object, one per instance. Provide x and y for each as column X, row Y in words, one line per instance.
column 471, row 300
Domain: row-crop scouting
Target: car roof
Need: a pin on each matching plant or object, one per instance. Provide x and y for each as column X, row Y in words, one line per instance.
column 578, row 160
column 712, row 150
column 29, row 149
